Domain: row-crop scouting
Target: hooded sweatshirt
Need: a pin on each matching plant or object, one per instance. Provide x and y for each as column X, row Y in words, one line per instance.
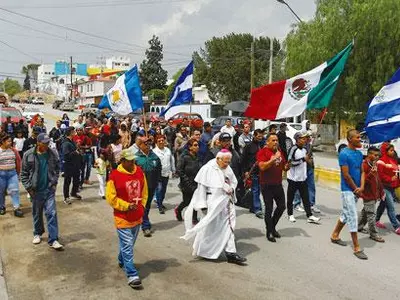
column 386, row 168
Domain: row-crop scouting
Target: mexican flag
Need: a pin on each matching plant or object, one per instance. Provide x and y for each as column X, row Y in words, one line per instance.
column 289, row 98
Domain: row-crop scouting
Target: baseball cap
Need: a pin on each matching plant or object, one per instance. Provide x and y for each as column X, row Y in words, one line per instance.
column 127, row 154
column 36, row 129
column 224, row 136
column 43, row 138
column 301, row 134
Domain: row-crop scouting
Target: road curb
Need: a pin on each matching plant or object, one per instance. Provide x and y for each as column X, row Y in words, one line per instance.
column 327, row 177
column 3, row 286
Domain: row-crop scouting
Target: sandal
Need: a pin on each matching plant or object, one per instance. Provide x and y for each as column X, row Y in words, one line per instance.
column 361, row 255
column 339, row 242
column 377, row 239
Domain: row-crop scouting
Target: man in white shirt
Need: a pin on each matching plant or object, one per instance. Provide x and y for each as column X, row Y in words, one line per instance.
column 297, row 176
column 245, row 138
column 167, row 168
column 228, row 128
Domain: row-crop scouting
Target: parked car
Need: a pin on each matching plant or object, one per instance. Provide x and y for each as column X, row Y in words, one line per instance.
column 67, row 106
column 38, row 100
column 90, row 108
column 219, row 122
column 12, row 112
column 195, row 120
column 57, row 103
column 29, row 112
column 365, row 144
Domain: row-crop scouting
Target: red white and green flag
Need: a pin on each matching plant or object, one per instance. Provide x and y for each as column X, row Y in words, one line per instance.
column 289, row 98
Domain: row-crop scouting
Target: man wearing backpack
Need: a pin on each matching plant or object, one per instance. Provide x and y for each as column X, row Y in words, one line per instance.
column 297, row 176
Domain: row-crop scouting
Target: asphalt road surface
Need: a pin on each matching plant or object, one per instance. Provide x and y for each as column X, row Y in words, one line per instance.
column 303, row 264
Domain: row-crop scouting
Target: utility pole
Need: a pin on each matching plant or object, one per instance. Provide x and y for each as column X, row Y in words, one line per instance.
column 71, row 76
column 252, row 66
column 271, row 58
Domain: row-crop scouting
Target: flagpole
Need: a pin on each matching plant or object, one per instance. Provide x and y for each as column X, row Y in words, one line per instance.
column 144, row 121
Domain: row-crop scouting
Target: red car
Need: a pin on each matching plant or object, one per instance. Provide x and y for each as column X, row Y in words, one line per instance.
column 194, row 120
column 12, row 112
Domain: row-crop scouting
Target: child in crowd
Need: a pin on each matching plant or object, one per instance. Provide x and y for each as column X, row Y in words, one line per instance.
column 19, row 143
column 101, row 165
column 373, row 192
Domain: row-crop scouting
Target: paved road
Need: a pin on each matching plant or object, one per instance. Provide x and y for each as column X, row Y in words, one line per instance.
column 302, row 265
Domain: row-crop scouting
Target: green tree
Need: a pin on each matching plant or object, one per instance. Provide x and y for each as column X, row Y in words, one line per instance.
column 11, row 87
column 27, row 83
column 224, row 65
column 156, row 95
column 374, row 26
column 152, row 75
column 31, row 67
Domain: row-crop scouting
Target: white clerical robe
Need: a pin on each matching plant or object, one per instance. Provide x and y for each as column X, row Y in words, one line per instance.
column 214, row 233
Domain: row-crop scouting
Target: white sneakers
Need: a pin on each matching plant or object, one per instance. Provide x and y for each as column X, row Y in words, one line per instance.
column 292, row 219
column 56, row 245
column 315, row 209
column 313, row 219
column 36, row 239
column 299, row 208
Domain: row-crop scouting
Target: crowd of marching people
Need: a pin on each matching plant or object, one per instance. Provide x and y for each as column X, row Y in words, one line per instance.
column 134, row 162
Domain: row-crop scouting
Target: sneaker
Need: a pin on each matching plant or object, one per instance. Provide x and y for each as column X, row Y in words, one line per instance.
column 315, row 209
column 77, row 196
column 2, row 211
column 260, row 215
column 67, row 201
column 397, row 231
column 292, row 219
column 56, row 245
column 135, row 282
column 313, row 219
column 18, row 213
column 103, row 197
column 161, row 210
column 36, row 239
column 147, row 233
column 380, row 225
column 299, row 208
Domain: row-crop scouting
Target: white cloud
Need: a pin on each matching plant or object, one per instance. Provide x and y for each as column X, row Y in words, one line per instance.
column 175, row 23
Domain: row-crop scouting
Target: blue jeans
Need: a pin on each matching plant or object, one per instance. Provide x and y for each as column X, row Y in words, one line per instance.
column 127, row 238
column 311, row 189
column 161, row 190
column 87, row 166
column 146, row 221
column 255, row 189
column 389, row 205
column 45, row 201
column 9, row 181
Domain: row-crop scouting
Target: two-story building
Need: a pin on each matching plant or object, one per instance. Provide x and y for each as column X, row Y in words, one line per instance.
column 92, row 91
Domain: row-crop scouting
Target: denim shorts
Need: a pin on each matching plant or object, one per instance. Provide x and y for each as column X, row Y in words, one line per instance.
column 349, row 212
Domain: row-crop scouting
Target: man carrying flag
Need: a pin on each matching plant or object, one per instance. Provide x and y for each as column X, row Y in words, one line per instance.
column 126, row 95
column 182, row 92
column 289, row 98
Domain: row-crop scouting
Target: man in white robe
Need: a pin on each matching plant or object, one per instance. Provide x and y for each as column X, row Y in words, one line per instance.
column 215, row 197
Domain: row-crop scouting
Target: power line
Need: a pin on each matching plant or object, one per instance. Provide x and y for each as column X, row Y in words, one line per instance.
column 20, row 51
column 81, row 32
column 97, row 4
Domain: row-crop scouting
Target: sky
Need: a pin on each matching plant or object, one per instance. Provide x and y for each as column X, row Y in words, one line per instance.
column 123, row 27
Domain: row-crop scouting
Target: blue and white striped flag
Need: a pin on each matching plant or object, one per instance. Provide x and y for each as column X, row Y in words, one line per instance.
column 126, row 95
column 182, row 92
column 383, row 116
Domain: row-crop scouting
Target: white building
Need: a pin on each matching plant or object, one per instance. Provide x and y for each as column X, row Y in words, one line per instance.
column 200, row 95
column 45, row 73
column 92, row 91
column 118, row 63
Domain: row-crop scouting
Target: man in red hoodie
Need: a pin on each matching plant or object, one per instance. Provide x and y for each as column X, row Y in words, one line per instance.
column 126, row 192
column 388, row 170
column 373, row 191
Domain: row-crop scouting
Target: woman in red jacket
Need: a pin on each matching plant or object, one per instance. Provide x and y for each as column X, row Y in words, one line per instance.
column 388, row 170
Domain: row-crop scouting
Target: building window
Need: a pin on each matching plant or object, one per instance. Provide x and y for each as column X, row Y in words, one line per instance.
column 87, row 88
